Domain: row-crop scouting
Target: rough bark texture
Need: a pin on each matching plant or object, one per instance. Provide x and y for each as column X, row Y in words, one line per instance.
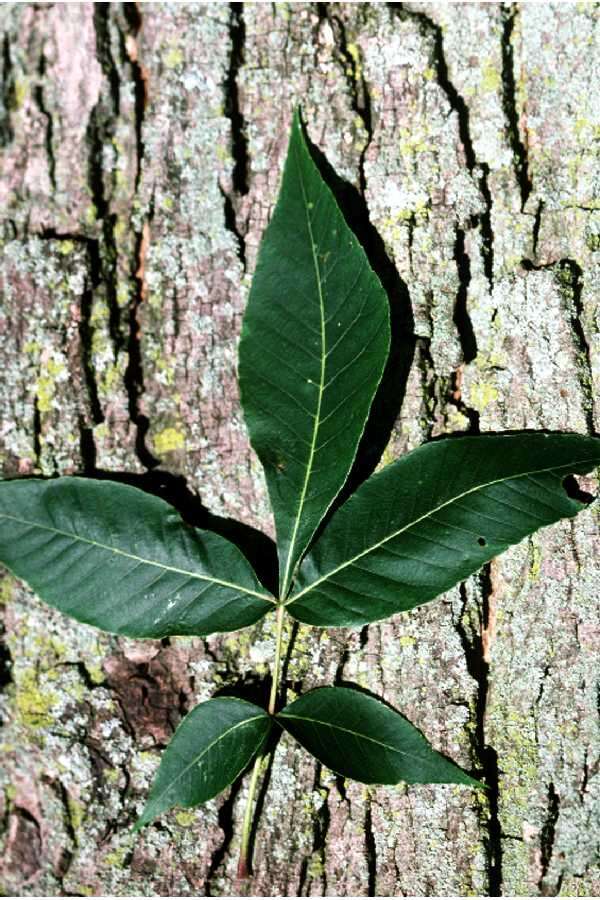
column 141, row 150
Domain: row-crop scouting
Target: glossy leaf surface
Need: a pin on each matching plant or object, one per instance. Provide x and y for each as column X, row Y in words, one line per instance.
column 113, row 556
column 360, row 737
column 433, row 518
column 314, row 344
column 212, row 746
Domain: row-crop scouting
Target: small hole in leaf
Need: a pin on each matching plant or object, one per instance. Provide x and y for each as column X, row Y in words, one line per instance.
column 481, row 541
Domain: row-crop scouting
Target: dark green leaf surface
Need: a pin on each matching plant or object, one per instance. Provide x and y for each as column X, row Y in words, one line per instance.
column 361, row 738
column 212, row 746
column 113, row 556
column 434, row 517
column 314, row 344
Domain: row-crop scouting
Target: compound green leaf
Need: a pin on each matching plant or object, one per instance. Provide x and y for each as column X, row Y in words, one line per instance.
column 212, row 746
column 433, row 518
column 115, row 557
column 362, row 738
column 314, row 343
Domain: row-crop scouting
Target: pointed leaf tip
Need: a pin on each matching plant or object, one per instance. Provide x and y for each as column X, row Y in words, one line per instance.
column 315, row 340
column 360, row 737
column 212, row 746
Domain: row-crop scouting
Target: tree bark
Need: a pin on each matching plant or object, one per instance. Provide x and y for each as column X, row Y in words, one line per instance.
column 141, row 149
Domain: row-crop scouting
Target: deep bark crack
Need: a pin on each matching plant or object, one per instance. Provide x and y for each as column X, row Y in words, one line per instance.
column 461, row 318
column 38, row 94
column 8, row 94
column 547, row 841
column 486, row 757
column 237, row 122
column 226, row 824
column 233, row 110
column 509, row 103
column 370, row 851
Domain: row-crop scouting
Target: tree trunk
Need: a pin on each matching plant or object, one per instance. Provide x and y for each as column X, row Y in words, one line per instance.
column 141, row 151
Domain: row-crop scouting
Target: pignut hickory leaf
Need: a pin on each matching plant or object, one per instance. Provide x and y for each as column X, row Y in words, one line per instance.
column 211, row 747
column 434, row 517
column 314, row 343
column 360, row 737
column 115, row 557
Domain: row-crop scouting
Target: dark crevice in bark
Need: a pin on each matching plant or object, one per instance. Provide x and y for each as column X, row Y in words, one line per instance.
column 100, row 131
column 83, row 672
column 485, row 756
column 538, row 699
column 321, row 819
column 360, row 97
column 338, row 678
column 479, row 170
column 133, row 18
column 36, row 432
column 571, row 278
column 134, row 374
column 87, row 449
column 95, row 175
column 585, row 776
column 226, row 824
column 107, row 251
column 547, row 839
column 8, row 96
column 461, row 317
column 233, row 110
column 239, row 140
column 509, row 103
column 38, row 95
column 231, row 226
column 6, row 675
column 537, row 223
column 370, row 851
column 466, row 333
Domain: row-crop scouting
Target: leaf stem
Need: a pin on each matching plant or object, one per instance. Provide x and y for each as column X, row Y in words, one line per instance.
column 245, row 863
column 277, row 663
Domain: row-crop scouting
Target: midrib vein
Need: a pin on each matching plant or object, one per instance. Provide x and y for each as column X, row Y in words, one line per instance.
column 141, row 559
column 430, row 512
column 317, row 420
column 357, row 734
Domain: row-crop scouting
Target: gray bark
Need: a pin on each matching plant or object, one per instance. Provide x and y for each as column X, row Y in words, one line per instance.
column 141, row 149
